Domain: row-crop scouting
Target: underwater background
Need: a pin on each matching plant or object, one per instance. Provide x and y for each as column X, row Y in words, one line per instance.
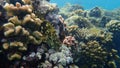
column 105, row 4
column 59, row 34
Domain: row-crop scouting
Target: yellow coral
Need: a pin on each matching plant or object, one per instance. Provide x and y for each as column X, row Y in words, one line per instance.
column 15, row 20
column 15, row 10
column 5, row 46
column 18, row 29
column 14, row 56
column 112, row 64
column 27, row 1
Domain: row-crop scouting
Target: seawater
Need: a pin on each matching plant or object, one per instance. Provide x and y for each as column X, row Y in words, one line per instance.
column 88, row 4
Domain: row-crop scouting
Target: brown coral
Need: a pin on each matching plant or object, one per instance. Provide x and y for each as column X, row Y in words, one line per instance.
column 85, row 34
column 95, row 55
column 18, row 9
column 23, row 30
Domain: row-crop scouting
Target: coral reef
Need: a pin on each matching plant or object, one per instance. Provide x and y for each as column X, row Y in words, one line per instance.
column 113, row 26
column 37, row 34
column 42, row 7
column 93, row 55
column 64, row 57
column 78, row 20
column 95, row 12
column 94, row 33
column 69, row 41
column 28, row 29
column 70, row 10
column 49, row 12
column 18, row 9
column 48, row 57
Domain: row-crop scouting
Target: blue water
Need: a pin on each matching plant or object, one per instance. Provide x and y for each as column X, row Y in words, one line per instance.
column 88, row 4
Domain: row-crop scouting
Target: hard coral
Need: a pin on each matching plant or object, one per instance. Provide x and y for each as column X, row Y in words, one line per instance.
column 113, row 26
column 82, row 22
column 18, row 9
column 23, row 30
column 95, row 12
column 42, row 7
column 92, row 54
column 64, row 57
column 70, row 10
column 49, row 12
column 94, row 33
column 69, row 41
